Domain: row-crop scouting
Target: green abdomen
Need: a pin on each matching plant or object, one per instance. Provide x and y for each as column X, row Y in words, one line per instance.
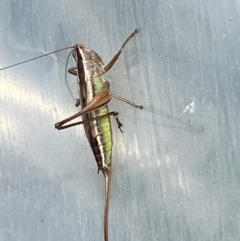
column 99, row 131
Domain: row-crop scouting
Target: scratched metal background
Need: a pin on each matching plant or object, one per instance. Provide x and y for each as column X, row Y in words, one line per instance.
column 176, row 167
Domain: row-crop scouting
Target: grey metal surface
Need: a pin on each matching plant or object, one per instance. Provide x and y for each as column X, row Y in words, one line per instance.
column 176, row 167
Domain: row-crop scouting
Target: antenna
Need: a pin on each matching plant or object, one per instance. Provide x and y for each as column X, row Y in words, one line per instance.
column 66, row 83
column 10, row 66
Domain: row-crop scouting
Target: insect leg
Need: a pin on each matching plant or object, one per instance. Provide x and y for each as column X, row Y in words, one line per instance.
column 127, row 101
column 107, row 87
column 77, row 102
column 60, row 125
column 73, row 70
column 115, row 58
column 99, row 100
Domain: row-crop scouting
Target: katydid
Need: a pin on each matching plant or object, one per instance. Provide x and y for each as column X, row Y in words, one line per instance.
column 94, row 95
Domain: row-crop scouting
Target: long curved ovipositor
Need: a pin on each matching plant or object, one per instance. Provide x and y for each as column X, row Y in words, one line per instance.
column 107, row 172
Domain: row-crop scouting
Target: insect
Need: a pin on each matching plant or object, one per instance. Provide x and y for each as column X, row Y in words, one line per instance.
column 94, row 95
